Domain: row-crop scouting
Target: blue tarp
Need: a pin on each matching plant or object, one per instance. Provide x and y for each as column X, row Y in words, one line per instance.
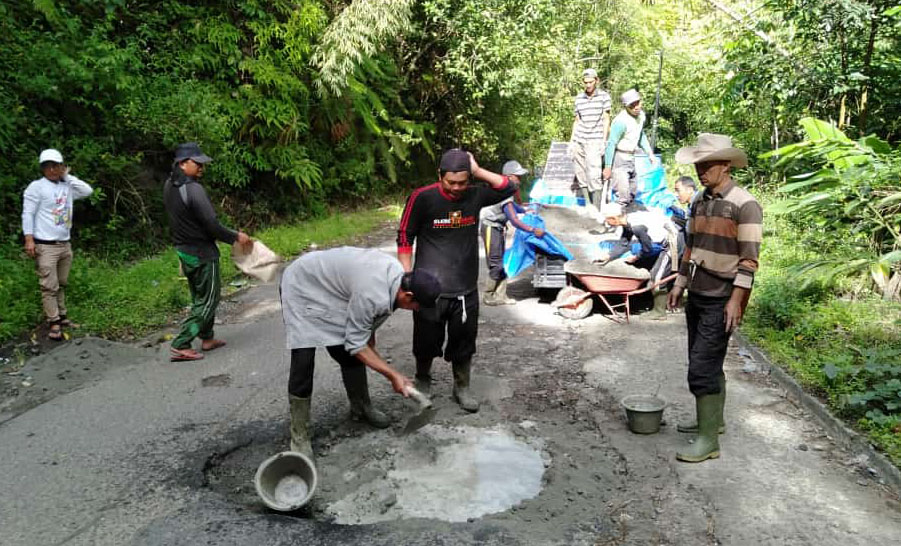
column 651, row 185
column 521, row 253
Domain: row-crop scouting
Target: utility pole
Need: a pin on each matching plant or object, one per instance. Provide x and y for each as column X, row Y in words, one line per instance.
column 657, row 103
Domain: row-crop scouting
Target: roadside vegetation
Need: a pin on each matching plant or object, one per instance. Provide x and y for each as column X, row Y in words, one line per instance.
column 117, row 300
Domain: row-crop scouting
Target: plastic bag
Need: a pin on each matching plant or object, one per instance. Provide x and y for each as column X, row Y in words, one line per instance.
column 521, row 253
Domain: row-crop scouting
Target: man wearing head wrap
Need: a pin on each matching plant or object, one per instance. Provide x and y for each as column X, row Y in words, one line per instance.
column 725, row 229
column 47, row 212
column 626, row 137
column 589, row 136
column 442, row 220
column 337, row 299
column 195, row 230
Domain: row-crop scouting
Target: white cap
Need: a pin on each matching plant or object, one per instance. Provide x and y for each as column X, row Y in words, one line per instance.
column 50, row 155
column 630, row 96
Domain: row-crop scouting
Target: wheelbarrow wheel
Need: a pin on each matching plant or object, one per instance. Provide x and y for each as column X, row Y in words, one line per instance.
column 579, row 311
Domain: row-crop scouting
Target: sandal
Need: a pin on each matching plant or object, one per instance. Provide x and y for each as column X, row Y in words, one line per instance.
column 184, row 355
column 65, row 322
column 56, row 332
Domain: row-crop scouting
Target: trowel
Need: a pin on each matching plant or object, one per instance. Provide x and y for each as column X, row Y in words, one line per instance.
column 426, row 411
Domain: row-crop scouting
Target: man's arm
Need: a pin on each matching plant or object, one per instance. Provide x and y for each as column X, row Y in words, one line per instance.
column 203, row 208
column 410, row 222
column 623, row 245
column 645, row 145
column 30, row 202
column 647, row 245
column 750, row 234
column 80, row 188
column 496, row 181
column 371, row 359
column 513, row 218
column 616, row 133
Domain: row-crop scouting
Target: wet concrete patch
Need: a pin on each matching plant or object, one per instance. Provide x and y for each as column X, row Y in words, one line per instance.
column 450, row 474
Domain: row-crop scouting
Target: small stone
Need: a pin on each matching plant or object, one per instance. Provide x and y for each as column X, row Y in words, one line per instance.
column 873, row 472
column 862, row 482
column 79, row 341
column 802, row 447
column 27, row 383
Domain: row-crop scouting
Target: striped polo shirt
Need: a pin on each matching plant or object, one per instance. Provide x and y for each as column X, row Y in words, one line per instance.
column 590, row 111
column 722, row 242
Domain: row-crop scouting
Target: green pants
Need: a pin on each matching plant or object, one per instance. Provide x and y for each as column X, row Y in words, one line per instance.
column 205, row 283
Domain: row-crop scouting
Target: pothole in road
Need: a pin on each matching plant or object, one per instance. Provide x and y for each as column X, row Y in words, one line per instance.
column 453, row 474
column 450, row 474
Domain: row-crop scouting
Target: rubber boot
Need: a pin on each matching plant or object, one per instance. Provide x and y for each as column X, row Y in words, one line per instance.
column 461, row 386
column 586, row 195
column 490, row 295
column 692, row 427
column 706, row 445
column 358, row 393
column 500, row 295
column 424, row 376
column 300, row 425
column 596, row 198
column 659, row 311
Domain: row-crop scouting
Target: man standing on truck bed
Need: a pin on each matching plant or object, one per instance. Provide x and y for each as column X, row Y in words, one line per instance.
column 589, row 137
column 443, row 221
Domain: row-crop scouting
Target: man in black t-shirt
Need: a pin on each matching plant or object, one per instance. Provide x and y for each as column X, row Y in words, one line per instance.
column 443, row 221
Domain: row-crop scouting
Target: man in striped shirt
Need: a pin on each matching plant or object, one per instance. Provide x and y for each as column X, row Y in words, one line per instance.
column 589, row 136
column 722, row 248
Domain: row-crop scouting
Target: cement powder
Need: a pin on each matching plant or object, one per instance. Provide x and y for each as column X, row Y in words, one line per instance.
column 291, row 490
column 453, row 474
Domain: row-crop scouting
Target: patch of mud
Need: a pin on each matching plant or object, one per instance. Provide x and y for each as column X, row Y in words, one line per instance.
column 67, row 368
column 450, row 474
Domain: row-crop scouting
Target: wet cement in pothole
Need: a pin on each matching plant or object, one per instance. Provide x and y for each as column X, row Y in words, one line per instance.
column 450, row 474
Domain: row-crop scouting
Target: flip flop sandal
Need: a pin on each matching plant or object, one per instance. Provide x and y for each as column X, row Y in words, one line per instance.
column 55, row 333
column 68, row 323
column 181, row 355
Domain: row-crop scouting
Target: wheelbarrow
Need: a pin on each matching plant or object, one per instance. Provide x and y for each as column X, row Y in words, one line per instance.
column 602, row 281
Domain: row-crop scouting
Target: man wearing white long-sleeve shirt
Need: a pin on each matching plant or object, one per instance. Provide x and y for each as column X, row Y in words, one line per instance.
column 46, row 223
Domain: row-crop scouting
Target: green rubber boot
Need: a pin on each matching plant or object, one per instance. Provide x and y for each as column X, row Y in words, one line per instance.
column 423, row 378
column 300, row 425
column 489, row 297
column 692, row 427
column 659, row 311
column 357, row 388
column 706, row 445
column 500, row 295
column 462, row 394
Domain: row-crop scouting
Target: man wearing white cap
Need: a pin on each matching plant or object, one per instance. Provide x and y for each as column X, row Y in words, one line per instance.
column 626, row 137
column 718, row 266
column 46, row 223
column 589, row 134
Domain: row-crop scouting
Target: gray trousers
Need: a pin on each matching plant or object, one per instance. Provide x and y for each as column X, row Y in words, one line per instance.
column 625, row 179
column 588, row 159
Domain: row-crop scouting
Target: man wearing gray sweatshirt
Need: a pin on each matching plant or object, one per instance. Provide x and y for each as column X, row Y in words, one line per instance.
column 46, row 222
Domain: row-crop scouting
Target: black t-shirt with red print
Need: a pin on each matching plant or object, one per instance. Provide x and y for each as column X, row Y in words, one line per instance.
column 446, row 233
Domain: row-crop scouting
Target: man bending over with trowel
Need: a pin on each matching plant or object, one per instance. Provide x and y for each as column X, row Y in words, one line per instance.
column 337, row 299
column 657, row 236
column 443, row 221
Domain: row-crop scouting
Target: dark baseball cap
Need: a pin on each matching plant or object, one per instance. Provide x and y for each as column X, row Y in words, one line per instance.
column 424, row 285
column 191, row 150
column 455, row 160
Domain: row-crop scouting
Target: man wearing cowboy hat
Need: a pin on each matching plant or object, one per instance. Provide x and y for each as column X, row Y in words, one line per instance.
column 589, row 135
column 195, row 230
column 626, row 136
column 722, row 248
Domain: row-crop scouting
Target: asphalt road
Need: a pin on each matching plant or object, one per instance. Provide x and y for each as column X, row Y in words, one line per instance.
column 135, row 454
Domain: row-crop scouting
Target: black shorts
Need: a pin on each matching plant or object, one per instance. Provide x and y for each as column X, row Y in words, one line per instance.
column 429, row 326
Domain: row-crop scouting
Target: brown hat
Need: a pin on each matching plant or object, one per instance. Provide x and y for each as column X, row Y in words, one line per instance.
column 712, row 147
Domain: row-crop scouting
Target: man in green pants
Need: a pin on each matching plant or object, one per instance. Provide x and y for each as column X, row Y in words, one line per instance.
column 195, row 230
